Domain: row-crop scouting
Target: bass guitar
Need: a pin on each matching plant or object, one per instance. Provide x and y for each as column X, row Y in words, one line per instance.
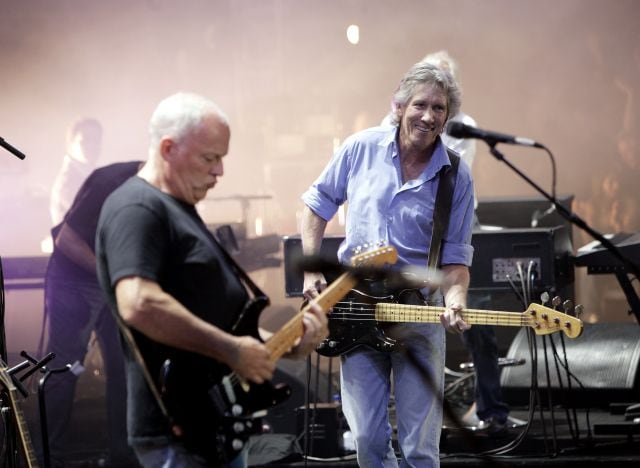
column 361, row 320
column 18, row 417
column 233, row 406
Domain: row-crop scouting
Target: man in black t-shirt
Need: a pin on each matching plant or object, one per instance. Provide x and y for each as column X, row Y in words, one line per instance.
column 179, row 293
column 75, row 307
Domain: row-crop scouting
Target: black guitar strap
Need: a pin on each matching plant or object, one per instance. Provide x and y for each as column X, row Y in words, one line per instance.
column 237, row 269
column 442, row 213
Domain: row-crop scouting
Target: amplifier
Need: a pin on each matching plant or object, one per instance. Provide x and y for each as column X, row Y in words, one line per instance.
column 497, row 254
column 293, row 278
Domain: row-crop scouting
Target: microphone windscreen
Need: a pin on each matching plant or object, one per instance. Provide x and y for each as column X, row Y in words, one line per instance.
column 456, row 129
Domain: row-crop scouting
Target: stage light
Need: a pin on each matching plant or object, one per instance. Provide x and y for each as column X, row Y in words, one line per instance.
column 353, row 34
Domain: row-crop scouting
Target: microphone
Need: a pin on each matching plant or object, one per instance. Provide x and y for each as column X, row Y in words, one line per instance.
column 460, row 130
column 15, row 151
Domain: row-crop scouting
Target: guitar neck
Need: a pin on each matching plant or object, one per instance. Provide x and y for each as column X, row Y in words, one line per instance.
column 284, row 339
column 23, row 432
column 391, row 312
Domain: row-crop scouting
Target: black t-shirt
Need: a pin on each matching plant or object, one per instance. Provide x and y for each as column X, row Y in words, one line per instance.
column 147, row 233
column 83, row 215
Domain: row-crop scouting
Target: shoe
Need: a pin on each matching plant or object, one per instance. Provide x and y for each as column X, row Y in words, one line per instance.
column 515, row 422
column 493, row 427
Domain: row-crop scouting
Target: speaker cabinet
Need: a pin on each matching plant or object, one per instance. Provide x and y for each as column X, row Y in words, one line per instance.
column 497, row 255
column 323, row 424
column 605, row 359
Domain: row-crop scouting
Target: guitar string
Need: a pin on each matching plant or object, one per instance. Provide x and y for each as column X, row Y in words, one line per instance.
column 365, row 311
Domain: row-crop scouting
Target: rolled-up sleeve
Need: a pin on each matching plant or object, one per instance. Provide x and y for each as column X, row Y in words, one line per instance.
column 329, row 191
column 457, row 248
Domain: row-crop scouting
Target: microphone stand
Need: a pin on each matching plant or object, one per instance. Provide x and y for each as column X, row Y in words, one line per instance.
column 11, row 149
column 574, row 219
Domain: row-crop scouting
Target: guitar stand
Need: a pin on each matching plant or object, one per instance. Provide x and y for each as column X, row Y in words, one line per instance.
column 42, row 407
column 41, row 394
column 17, row 383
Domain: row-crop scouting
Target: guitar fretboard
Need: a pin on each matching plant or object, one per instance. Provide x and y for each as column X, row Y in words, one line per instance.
column 541, row 319
column 391, row 312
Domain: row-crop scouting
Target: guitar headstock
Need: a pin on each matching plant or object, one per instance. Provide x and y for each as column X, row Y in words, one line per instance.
column 545, row 321
column 376, row 257
column 5, row 378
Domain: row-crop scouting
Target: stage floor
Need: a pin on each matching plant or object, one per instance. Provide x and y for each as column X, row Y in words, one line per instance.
column 611, row 441
column 602, row 438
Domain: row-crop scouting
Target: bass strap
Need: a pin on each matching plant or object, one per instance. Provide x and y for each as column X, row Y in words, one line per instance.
column 442, row 213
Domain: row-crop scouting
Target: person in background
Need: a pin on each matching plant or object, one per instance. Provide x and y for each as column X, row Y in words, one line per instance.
column 75, row 308
column 489, row 411
column 389, row 176
column 175, row 290
column 84, row 143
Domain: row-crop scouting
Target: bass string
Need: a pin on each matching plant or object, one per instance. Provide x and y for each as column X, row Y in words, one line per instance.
column 364, row 311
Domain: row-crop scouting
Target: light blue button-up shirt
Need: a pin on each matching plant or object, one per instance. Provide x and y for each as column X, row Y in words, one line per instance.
column 366, row 173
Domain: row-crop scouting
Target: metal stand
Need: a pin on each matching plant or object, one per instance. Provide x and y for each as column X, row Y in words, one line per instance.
column 574, row 219
column 14, row 385
column 42, row 406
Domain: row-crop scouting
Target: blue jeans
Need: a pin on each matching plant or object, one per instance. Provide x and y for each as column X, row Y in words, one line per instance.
column 75, row 310
column 174, row 455
column 481, row 342
column 417, row 376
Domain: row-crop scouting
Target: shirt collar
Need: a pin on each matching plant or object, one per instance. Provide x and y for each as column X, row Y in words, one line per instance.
column 439, row 159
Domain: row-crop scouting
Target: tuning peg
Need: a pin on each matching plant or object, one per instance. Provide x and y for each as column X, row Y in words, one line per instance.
column 544, row 297
column 556, row 301
column 578, row 310
column 567, row 306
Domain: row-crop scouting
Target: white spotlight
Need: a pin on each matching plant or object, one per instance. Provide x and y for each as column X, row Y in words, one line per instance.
column 353, row 34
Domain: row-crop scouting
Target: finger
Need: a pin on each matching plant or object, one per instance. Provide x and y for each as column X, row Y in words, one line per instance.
column 310, row 293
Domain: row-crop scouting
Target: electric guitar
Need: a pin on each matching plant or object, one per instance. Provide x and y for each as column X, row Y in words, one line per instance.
column 232, row 407
column 360, row 321
column 18, row 417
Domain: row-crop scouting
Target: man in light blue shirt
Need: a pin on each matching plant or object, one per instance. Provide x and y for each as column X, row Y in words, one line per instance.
column 389, row 176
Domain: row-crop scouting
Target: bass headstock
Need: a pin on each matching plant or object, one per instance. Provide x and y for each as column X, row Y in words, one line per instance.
column 545, row 320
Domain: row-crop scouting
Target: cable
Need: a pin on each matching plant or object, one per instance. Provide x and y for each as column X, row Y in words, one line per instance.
column 554, row 438
column 553, row 171
column 3, row 339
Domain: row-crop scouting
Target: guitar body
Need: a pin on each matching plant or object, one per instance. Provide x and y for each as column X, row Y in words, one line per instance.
column 351, row 325
column 218, row 413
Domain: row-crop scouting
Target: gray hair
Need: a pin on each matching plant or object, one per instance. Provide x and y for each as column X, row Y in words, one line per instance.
column 426, row 73
column 176, row 115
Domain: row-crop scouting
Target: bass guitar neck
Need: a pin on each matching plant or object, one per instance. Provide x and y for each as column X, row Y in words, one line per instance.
column 361, row 320
column 542, row 320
